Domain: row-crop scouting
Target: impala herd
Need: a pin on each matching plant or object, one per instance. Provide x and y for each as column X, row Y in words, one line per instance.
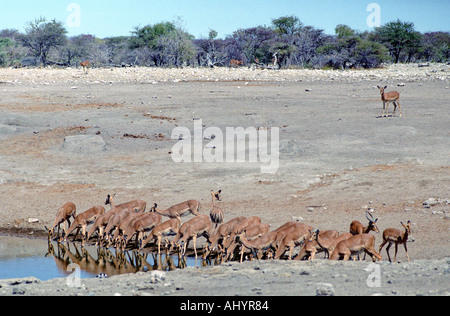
column 236, row 238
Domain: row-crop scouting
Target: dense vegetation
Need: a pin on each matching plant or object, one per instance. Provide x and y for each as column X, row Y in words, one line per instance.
column 168, row 44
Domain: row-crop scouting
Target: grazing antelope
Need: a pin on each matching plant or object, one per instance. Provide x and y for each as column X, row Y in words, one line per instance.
column 82, row 220
column 354, row 246
column 388, row 97
column 356, row 228
column 100, row 224
column 64, row 214
column 236, row 63
column 396, row 236
column 253, row 230
column 314, row 245
column 168, row 228
column 200, row 225
column 259, row 245
column 216, row 212
column 291, row 237
column 139, row 226
column 220, row 235
column 251, row 221
column 179, row 210
column 86, row 65
column 139, row 205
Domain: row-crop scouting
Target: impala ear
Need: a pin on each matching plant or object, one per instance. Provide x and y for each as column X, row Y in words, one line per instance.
column 220, row 191
column 378, row 87
column 385, row 87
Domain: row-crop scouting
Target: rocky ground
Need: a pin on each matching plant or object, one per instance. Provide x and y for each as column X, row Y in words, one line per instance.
column 338, row 159
column 258, row 278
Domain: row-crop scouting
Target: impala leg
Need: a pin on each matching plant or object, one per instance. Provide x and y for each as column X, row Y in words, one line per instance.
column 399, row 109
column 396, row 250
column 195, row 246
column 384, row 109
column 387, row 109
column 387, row 250
column 407, row 255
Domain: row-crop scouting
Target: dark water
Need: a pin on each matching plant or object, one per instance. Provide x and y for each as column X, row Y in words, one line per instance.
column 21, row 257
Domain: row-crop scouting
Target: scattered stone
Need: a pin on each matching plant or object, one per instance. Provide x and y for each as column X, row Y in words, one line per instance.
column 33, row 220
column 325, row 289
column 83, row 144
column 430, row 202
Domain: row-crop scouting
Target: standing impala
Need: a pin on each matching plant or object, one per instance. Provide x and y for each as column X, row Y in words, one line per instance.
column 86, row 65
column 64, row 214
column 216, row 213
column 396, row 236
column 388, row 97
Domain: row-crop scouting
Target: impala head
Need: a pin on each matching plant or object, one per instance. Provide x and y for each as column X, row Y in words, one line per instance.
column 372, row 223
column 382, row 89
column 109, row 199
column 313, row 235
column 49, row 232
column 216, row 195
column 154, row 207
column 407, row 226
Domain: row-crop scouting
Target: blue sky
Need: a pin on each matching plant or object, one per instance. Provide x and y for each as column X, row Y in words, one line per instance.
column 104, row 18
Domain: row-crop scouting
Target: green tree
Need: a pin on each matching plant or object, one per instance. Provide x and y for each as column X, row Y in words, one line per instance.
column 148, row 36
column 287, row 25
column 398, row 36
column 41, row 36
column 344, row 31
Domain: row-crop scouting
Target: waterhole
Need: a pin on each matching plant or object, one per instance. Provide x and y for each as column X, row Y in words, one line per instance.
column 23, row 257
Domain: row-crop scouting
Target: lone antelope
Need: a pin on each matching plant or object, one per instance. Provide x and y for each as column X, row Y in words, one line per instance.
column 64, row 214
column 396, row 236
column 236, row 63
column 86, row 65
column 388, row 97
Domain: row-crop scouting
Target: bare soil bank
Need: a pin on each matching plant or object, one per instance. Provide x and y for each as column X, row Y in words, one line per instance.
column 337, row 157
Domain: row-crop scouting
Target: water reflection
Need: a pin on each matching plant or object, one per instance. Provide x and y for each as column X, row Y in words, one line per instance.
column 96, row 261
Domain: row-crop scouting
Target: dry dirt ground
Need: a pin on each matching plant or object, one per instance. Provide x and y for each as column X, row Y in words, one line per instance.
column 338, row 157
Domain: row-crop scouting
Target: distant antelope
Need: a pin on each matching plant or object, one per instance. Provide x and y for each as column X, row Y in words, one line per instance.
column 64, row 214
column 396, row 236
column 388, row 97
column 86, row 65
column 236, row 63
